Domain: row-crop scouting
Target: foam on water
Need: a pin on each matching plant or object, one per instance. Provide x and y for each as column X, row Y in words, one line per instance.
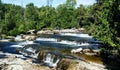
column 30, row 50
column 46, row 39
column 26, row 43
column 71, row 43
column 50, row 60
column 18, row 38
column 76, row 35
column 17, row 46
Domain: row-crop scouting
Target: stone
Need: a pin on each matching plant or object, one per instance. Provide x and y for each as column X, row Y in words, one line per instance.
column 76, row 50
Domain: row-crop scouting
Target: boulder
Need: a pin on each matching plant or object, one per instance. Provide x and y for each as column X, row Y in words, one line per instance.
column 67, row 64
column 41, row 55
column 76, row 50
column 29, row 37
column 34, row 31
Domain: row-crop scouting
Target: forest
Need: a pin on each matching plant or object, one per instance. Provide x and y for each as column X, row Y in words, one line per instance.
column 100, row 20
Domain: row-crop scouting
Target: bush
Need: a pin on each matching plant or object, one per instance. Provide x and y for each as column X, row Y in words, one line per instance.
column 14, row 32
column 102, row 51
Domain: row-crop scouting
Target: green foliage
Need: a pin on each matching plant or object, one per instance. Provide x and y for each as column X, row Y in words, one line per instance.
column 105, row 26
column 16, row 20
column 70, row 3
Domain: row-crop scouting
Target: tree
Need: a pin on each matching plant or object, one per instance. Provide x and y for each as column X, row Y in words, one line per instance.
column 1, row 18
column 106, row 21
column 114, row 15
column 31, row 16
column 71, row 3
column 66, row 15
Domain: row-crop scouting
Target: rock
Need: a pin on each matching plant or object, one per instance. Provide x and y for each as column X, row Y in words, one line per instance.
column 111, row 57
column 67, row 64
column 76, row 50
column 34, row 31
column 29, row 37
column 91, row 52
column 19, row 38
column 41, row 55
column 12, row 56
column 45, row 32
column 90, row 66
column 60, row 31
column 86, row 50
column 81, row 29
column 20, row 64
column 5, row 40
column 59, row 40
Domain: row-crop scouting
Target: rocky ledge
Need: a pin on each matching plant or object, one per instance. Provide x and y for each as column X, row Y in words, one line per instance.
column 13, row 62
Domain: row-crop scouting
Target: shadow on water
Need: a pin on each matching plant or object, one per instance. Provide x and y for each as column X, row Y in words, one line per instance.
column 8, row 48
column 111, row 60
column 111, row 64
column 2, row 56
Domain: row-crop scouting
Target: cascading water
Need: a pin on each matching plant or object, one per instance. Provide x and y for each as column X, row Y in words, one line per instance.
column 19, row 38
column 28, row 48
column 51, row 60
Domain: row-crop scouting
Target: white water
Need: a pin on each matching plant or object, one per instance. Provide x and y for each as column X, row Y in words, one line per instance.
column 18, row 38
column 17, row 46
column 71, row 43
column 46, row 39
column 26, row 43
column 49, row 60
column 31, row 50
column 76, row 35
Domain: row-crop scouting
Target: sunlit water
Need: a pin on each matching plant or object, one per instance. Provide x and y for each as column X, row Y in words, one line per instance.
column 62, row 43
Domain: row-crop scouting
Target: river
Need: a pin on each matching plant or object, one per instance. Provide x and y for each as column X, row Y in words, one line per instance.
column 55, row 44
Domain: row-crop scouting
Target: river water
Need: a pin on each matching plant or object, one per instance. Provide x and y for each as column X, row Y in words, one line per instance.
column 61, row 43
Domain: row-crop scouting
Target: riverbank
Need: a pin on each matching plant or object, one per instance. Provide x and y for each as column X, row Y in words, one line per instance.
column 13, row 63
column 73, row 30
column 33, row 34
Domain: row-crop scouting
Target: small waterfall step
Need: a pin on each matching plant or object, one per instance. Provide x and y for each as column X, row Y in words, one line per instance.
column 53, row 58
column 53, row 41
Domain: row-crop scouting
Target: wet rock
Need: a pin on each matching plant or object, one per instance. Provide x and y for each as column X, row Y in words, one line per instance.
column 91, row 52
column 76, row 50
column 59, row 40
column 41, row 55
column 67, row 64
column 86, row 50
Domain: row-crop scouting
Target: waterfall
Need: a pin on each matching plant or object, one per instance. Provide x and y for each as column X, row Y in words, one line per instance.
column 47, row 58
column 51, row 60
